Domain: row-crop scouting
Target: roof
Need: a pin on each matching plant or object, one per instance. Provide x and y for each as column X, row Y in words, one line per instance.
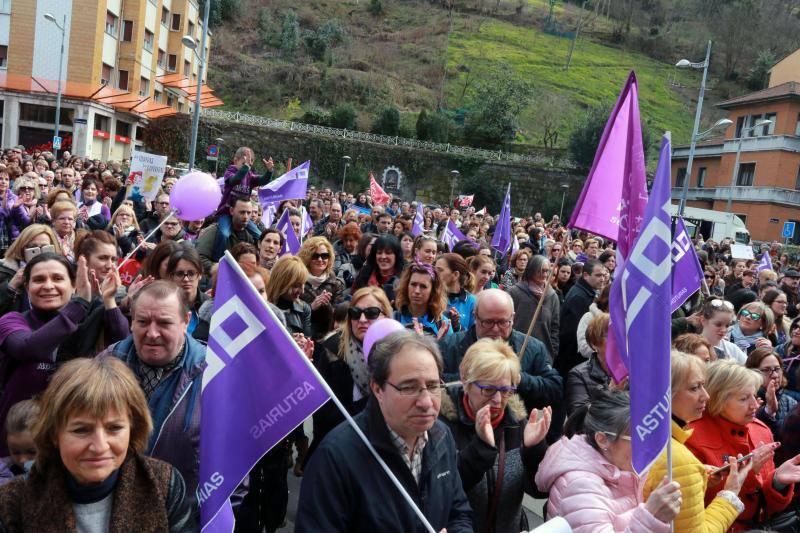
column 790, row 89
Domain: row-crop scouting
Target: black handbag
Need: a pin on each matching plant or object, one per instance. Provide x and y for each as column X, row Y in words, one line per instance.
column 786, row 521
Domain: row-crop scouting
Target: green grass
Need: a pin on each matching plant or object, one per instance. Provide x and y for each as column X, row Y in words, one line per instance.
column 595, row 77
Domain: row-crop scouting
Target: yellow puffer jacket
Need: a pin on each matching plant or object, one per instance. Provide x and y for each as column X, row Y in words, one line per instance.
column 691, row 474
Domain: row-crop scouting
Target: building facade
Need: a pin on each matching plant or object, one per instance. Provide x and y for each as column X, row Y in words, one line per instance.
column 124, row 63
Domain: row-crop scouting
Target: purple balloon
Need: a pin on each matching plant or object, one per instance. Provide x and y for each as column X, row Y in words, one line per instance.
column 377, row 331
column 196, row 195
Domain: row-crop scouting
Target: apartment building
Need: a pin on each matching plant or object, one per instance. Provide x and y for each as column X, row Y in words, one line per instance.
column 124, row 63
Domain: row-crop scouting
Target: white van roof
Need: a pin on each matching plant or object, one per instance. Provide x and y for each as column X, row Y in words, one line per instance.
column 707, row 214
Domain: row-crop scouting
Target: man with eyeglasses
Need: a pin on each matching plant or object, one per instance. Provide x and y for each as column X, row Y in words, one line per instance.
column 344, row 488
column 540, row 385
column 161, row 209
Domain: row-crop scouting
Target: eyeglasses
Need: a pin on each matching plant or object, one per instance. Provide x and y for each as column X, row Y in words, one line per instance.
column 489, row 324
column 488, row 391
column 24, row 189
column 324, row 256
column 750, row 314
column 434, row 389
column 616, row 436
column 190, row 275
column 716, row 304
column 370, row 312
column 770, row 370
column 709, row 276
column 170, row 224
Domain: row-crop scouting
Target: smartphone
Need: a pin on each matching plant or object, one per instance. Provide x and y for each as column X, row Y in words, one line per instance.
column 728, row 466
column 30, row 253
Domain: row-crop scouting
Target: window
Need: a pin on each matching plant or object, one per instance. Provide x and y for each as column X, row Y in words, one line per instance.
column 157, row 96
column 797, row 126
column 164, row 16
column 148, row 40
column 172, row 62
column 176, row 22
column 123, row 129
column 111, row 23
column 127, row 30
column 162, row 58
column 680, row 177
column 3, row 56
column 769, row 129
column 701, row 177
column 5, row 6
column 105, row 74
column 797, row 180
column 144, row 86
column 190, row 29
column 101, row 122
column 170, row 100
column 43, row 113
column 746, row 174
column 739, row 126
column 185, row 68
column 123, row 80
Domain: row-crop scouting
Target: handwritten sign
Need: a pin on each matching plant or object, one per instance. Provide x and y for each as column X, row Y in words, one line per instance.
column 147, row 172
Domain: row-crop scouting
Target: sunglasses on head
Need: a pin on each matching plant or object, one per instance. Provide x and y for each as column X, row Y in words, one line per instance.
column 324, row 255
column 716, row 304
column 750, row 314
column 370, row 312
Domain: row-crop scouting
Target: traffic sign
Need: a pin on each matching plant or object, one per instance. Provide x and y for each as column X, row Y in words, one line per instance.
column 212, row 152
column 56, row 143
column 788, row 230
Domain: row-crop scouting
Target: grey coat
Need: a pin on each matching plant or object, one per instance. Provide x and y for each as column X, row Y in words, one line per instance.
column 547, row 324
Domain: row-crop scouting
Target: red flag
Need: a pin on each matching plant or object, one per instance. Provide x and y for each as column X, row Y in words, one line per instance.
column 379, row 196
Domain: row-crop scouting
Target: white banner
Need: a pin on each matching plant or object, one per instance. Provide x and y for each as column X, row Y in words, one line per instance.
column 147, row 172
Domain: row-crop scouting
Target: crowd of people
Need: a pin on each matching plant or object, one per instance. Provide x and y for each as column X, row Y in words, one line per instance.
column 497, row 386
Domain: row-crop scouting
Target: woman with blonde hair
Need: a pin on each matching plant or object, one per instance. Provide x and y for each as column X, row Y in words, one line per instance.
column 124, row 226
column 421, row 302
column 755, row 321
column 695, row 344
column 26, row 187
column 322, row 289
column 90, row 473
column 32, row 241
column 484, row 269
column 285, row 288
column 730, row 429
column 499, row 445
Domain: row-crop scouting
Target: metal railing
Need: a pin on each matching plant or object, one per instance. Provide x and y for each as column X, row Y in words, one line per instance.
column 493, row 155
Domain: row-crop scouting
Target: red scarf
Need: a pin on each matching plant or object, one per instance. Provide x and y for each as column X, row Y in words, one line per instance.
column 471, row 415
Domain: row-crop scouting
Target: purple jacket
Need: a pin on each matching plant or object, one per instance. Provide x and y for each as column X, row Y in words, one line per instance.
column 238, row 183
column 13, row 218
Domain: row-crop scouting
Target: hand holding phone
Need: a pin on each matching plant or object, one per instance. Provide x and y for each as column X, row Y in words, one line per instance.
column 727, row 466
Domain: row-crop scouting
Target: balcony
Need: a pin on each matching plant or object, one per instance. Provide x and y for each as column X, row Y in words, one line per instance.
column 763, row 143
column 774, row 195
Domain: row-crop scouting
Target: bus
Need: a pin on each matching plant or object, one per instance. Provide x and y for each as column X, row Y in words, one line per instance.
column 713, row 225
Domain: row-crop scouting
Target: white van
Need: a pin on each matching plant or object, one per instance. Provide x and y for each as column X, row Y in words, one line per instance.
column 712, row 224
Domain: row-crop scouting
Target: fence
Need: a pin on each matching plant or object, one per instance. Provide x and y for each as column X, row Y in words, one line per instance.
column 495, row 155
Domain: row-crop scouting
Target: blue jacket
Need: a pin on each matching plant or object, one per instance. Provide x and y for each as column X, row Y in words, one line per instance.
column 464, row 303
column 175, row 408
column 344, row 488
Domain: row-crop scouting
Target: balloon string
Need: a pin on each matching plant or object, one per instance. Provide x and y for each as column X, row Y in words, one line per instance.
column 127, row 257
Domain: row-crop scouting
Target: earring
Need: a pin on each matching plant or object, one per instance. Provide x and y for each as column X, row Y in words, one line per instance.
column 605, row 449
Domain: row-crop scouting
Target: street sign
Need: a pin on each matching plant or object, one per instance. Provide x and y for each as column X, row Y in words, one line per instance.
column 80, row 121
column 212, row 152
column 788, row 230
column 56, row 143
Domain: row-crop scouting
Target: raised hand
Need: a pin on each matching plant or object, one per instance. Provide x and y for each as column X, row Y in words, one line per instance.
column 772, row 397
column 483, row 424
column 83, row 287
column 268, row 163
column 737, row 474
column 789, row 472
column 763, row 453
column 443, row 331
column 537, row 427
column 109, row 287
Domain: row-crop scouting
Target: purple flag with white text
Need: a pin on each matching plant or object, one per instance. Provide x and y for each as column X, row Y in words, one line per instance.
column 291, row 243
column 640, row 321
column 687, row 273
column 257, row 388
column 419, row 221
column 451, row 234
column 501, row 240
column 290, row 186
column 765, row 263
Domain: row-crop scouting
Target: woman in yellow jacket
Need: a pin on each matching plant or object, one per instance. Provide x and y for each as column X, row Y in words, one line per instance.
column 689, row 398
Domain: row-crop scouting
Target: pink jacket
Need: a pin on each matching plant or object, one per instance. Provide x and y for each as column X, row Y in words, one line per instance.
column 592, row 494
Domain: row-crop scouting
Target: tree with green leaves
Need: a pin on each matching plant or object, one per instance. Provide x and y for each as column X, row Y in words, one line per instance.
column 434, row 127
column 499, row 97
column 387, row 122
column 290, row 34
column 375, row 8
column 344, row 116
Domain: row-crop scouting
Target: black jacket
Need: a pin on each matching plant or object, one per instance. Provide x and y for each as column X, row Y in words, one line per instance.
column 344, row 488
column 297, row 314
column 576, row 304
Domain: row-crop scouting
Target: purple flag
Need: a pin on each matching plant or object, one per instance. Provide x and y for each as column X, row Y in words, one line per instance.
column 419, row 221
column 765, row 263
column 687, row 273
column 291, row 244
column 268, row 215
column 514, row 245
column 290, row 186
column 306, row 224
column 451, row 235
column 501, row 240
column 613, row 200
column 257, row 388
column 640, row 321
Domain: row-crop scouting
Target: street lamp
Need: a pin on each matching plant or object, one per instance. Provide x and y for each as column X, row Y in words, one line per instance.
column 63, row 28
column 218, row 141
column 346, row 159
column 685, row 63
column 745, row 131
column 564, row 188
column 454, row 174
column 189, row 42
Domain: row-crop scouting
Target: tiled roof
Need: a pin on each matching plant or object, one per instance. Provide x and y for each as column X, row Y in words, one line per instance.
column 790, row 89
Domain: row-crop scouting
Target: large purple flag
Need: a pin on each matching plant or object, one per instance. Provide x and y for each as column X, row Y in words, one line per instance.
column 290, row 186
column 291, row 243
column 687, row 273
column 419, row 221
column 765, row 263
column 613, row 200
column 257, row 388
column 501, row 240
column 451, row 234
column 640, row 321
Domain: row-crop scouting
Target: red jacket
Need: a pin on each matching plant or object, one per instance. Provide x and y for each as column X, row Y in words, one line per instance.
column 714, row 438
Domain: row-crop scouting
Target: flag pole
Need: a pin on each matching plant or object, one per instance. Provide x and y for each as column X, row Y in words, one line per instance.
column 128, row 257
column 335, row 400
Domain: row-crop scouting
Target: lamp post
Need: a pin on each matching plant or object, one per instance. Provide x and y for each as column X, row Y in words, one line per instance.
column 63, row 28
column 564, row 188
column 189, row 42
column 454, row 174
column 685, row 63
column 729, row 206
column 346, row 159
column 219, row 141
